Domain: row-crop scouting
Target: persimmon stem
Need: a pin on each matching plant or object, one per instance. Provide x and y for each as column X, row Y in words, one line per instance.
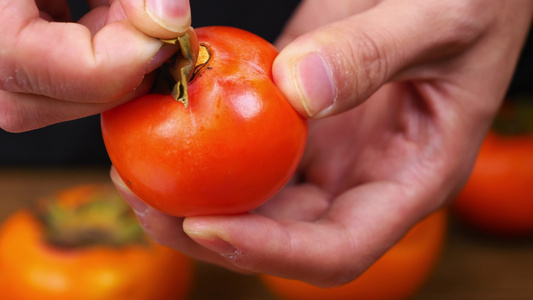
column 185, row 64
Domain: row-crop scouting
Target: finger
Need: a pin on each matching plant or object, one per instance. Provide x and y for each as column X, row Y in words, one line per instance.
column 312, row 14
column 336, row 67
column 64, row 61
column 98, row 17
column 361, row 226
column 305, row 202
column 23, row 112
column 159, row 18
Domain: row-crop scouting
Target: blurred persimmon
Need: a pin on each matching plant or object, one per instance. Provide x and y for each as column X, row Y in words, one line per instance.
column 84, row 243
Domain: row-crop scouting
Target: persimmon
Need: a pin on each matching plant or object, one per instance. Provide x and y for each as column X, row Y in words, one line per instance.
column 84, row 243
column 232, row 147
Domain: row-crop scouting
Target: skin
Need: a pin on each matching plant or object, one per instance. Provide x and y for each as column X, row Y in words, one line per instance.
column 33, row 268
column 419, row 84
column 398, row 274
column 109, row 59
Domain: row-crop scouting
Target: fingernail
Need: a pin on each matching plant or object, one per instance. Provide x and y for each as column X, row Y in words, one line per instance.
column 214, row 243
column 315, row 83
column 173, row 15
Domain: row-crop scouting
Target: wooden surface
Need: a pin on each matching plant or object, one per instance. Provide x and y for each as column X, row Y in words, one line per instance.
column 472, row 267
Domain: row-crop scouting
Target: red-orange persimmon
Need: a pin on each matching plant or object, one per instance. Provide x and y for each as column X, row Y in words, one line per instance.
column 84, row 243
column 498, row 197
column 236, row 144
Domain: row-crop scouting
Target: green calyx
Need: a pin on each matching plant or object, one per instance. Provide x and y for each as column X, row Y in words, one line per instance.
column 102, row 219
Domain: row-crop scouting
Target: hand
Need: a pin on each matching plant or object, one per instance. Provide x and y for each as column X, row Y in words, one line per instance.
column 53, row 71
column 400, row 95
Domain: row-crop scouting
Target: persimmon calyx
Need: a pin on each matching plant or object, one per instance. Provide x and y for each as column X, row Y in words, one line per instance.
column 185, row 64
column 182, row 65
column 101, row 219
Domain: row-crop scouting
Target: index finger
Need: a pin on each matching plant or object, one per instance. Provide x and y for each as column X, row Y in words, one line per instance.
column 64, row 61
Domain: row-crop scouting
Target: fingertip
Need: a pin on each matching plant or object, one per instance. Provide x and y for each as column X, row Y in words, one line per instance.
column 159, row 18
column 284, row 80
column 305, row 77
column 172, row 15
column 229, row 237
column 211, row 240
column 314, row 81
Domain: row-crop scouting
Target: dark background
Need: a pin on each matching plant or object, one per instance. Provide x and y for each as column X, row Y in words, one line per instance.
column 79, row 142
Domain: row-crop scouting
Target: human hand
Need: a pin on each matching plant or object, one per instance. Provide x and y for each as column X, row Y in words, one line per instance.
column 53, row 70
column 400, row 95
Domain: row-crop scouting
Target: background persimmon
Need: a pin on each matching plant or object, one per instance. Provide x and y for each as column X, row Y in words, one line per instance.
column 498, row 196
column 83, row 243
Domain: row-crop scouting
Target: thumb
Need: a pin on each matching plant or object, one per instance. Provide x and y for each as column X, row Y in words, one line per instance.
column 164, row 19
column 336, row 67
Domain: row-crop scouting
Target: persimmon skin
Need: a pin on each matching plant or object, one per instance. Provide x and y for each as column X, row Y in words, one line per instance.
column 498, row 196
column 397, row 275
column 31, row 268
column 237, row 143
